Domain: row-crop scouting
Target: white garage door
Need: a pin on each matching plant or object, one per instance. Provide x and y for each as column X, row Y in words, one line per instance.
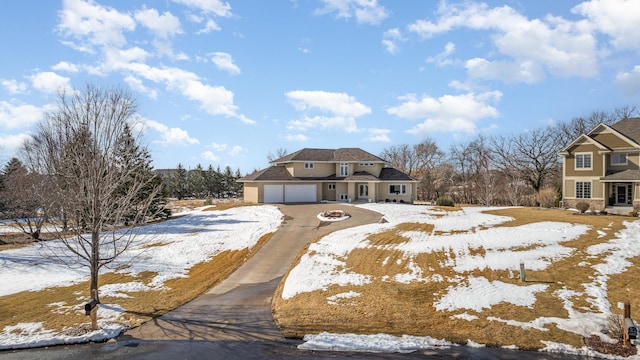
column 300, row 193
column 273, row 194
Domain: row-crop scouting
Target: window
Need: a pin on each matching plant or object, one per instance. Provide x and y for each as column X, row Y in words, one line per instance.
column 344, row 196
column 398, row 189
column 366, row 164
column 344, row 169
column 308, row 165
column 583, row 161
column 618, row 159
column 331, row 186
column 583, row 190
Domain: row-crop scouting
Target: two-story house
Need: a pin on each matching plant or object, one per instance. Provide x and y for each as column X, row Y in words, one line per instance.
column 603, row 167
column 314, row 175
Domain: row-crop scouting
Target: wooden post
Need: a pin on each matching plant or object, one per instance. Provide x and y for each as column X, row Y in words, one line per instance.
column 523, row 276
column 627, row 310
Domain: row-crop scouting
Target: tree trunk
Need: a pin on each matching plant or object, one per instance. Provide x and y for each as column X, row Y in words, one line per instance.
column 95, row 262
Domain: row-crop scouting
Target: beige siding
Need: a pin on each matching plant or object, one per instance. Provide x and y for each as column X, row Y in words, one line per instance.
column 597, row 189
column 251, row 193
column 569, row 188
column 597, row 165
column 611, row 141
column 319, row 169
column 371, row 169
column 632, row 163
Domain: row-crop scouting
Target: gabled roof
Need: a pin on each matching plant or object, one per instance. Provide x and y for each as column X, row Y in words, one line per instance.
column 329, row 155
column 280, row 173
column 630, row 128
column 580, row 140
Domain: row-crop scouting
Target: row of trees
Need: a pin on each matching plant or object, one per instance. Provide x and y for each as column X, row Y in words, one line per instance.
column 199, row 183
column 521, row 169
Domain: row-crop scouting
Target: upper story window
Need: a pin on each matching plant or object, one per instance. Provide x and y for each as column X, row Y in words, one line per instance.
column 583, row 161
column 366, row 164
column 618, row 159
column 344, row 169
column 331, row 186
column 308, row 165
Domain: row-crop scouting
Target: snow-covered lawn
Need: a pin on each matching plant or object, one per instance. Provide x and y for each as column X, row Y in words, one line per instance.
column 462, row 233
column 171, row 248
column 168, row 249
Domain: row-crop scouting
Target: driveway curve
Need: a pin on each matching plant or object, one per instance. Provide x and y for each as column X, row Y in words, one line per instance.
column 239, row 307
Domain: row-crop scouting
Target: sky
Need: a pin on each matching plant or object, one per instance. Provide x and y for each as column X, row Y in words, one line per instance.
column 225, row 83
column 171, row 248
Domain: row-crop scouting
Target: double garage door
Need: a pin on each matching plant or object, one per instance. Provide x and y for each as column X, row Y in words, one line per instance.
column 290, row 193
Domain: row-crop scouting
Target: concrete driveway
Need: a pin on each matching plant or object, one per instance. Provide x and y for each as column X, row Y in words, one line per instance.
column 239, row 308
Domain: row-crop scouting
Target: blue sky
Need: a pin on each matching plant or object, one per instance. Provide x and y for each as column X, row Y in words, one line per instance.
column 226, row 83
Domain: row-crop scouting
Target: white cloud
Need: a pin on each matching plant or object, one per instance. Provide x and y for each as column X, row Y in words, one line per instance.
column 215, row 100
column 163, row 26
column 210, row 26
column 378, row 135
column 224, row 62
column 617, row 18
column 448, row 113
column 296, row 137
column 390, row 40
column 137, row 85
column 629, row 81
column 526, row 71
column 342, row 110
column 11, row 143
column 214, row 7
column 237, row 150
column 13, row 86
column 209, row 155
column 171, row 136
column 365, row 11
column 219, row 147
column 442, row 59
column 561, row 47
column 65, row 66
column 50, row 82
column 21, row 115
column 91, row 24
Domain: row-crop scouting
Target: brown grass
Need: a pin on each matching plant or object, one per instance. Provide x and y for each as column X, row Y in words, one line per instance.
column 385, row 306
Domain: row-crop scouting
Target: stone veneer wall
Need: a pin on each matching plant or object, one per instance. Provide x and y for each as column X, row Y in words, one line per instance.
column 595, row 204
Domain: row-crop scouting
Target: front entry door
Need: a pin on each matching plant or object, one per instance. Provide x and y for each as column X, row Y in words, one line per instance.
column 364, row 191
column 622, row 194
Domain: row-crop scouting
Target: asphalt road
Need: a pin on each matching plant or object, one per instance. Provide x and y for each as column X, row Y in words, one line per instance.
column 233, row 320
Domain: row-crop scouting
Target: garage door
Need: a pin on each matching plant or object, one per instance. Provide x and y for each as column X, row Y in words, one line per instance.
column 273, row 194
column 300, row 193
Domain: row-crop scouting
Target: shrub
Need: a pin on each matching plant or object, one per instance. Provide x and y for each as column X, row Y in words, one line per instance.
column 546, row 197
column 583, row 206
column 445, row 201
column 633, row 213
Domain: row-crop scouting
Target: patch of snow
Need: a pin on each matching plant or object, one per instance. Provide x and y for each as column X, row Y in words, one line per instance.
column 371, row 343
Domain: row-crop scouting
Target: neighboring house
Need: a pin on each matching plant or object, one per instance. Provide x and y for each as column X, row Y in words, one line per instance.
column 314, row 175
column 603, row 167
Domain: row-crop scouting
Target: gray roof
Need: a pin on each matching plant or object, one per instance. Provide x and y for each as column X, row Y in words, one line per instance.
column 626, row 175
column 629, row 127
column 280, row 173
column 329, row 155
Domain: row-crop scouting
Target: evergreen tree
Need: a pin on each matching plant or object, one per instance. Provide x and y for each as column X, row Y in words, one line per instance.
column 196, row 182
column 180, row 183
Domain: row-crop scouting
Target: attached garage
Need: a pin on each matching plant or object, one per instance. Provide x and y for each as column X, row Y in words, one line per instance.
column 300, row 193
column 290, row 193
column 273, row 194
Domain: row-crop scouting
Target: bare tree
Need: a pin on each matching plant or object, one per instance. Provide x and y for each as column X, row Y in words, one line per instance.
column 27, row 198
column 280, row 152
column 532, row 154
column 569, row 131
column 105, row 190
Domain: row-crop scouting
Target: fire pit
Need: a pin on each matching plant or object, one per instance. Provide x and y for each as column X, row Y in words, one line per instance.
column 333, row 215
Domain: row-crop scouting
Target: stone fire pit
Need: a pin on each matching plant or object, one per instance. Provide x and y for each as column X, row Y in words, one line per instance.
column 333, row 215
